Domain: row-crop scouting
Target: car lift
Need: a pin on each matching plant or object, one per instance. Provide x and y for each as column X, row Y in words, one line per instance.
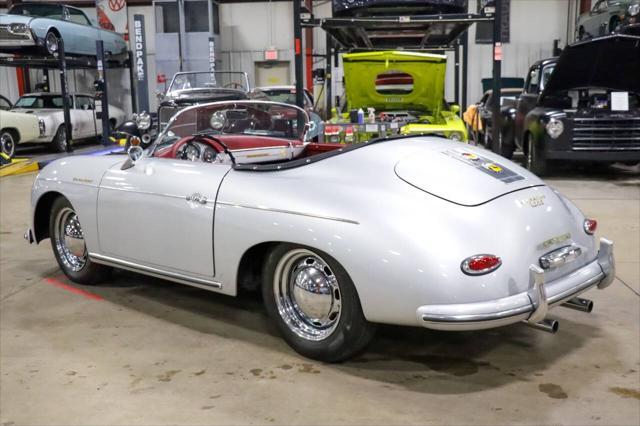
column 62, row 63
column 444, row 32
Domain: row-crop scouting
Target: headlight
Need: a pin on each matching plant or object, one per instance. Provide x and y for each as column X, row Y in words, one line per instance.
column 143, row 120
column 554, row 128
column 18, row 29
column 634, row 9
column 42, row 127
column 455, row 136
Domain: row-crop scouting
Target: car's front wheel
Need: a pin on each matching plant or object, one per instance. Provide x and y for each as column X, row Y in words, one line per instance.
column 8, row 141
column 314, row 303
column 536, row 163
column 52, row 43
column 67, row 241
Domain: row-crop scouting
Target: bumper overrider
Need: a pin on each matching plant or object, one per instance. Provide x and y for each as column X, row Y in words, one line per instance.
column 530, row 306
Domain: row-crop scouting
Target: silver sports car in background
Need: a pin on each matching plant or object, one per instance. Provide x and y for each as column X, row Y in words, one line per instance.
column 40, row 26
column 416, row 231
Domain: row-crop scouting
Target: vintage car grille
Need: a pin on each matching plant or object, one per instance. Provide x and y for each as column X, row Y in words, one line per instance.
column 164, row 115
column 5, row 35
column 606, row 134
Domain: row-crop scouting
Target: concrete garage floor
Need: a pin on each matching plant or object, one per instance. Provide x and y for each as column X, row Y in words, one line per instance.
column 145, row 351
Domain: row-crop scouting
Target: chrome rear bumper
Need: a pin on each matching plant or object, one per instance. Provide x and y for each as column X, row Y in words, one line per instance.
column 531, row 306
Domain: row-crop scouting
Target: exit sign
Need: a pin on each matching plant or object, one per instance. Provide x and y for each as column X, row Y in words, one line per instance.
column 271, row 55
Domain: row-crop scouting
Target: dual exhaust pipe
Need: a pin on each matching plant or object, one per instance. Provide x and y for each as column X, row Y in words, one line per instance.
column 551, row 325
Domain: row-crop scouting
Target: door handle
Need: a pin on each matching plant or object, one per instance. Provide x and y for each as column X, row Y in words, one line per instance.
column 197, row 198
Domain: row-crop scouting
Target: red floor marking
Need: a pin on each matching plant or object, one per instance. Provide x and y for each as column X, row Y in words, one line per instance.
column 72, row 289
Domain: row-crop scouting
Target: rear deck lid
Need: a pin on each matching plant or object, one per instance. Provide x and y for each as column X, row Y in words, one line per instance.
column 464, row 176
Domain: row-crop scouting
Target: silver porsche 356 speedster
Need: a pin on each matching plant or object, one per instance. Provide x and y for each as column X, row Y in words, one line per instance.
column 416, row 231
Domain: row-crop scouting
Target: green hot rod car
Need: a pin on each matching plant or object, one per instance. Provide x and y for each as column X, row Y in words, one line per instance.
column 403, row 87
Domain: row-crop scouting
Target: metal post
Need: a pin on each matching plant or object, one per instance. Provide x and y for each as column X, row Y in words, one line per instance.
column 497, row 76
column 66, row 105
column 104, row 98
column 465, row 70
column 132, row 82
column 297, row 35
column 328, row 78
column 457, row 73
column 45, row 80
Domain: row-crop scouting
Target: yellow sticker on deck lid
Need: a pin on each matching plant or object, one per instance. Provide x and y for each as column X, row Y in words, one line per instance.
column 493, row 167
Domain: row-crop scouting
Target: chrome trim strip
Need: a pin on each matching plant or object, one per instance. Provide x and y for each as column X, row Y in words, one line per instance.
column 159, row 194
column 159, row 273
column 270, row 209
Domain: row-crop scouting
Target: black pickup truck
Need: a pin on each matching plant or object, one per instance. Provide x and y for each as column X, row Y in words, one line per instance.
column 581, row 106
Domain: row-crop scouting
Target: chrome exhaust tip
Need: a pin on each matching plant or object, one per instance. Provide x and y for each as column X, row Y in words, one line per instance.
column 548, row 325
column 579, row 304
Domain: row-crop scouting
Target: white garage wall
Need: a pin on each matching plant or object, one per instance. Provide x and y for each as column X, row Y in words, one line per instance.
column 534, row 26
column 247, row 29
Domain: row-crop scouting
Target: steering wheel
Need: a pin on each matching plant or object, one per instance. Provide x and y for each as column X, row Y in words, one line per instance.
column 189, row 151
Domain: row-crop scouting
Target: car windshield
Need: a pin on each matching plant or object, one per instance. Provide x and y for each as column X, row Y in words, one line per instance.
column 206, row 81
column 255, row 118
column 52, row 101
column 42, row 10
column 287, row 96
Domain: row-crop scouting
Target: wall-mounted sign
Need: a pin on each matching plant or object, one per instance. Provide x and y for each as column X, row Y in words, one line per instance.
column 112, row 15
column 140, row 62
column 271, row 55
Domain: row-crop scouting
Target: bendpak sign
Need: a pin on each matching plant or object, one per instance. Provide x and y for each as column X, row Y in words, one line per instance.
column 112, row 16
column 140, row 62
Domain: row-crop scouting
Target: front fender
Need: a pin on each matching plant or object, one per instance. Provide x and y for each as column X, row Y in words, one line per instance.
column 77, row 179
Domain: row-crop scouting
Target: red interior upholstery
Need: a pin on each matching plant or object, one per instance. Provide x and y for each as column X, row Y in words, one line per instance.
column 236, row 142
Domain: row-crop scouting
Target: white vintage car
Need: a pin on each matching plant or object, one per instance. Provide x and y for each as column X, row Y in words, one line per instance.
column 15, row 127
column 416, row 231
column 48, row 108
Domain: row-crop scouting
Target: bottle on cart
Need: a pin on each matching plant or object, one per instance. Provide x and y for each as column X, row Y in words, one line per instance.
column 360, row 116
column 372, row 115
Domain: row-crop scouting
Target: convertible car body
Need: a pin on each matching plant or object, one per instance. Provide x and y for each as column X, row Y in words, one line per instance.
column 410, row 83
column 197, row 87
column 40, row 26
column 239, row 200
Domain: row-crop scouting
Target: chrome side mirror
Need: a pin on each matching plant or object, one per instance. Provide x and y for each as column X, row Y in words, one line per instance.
column 134, row 153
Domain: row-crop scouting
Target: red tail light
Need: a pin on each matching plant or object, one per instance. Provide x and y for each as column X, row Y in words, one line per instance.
column 590, row 226
column 480, row 264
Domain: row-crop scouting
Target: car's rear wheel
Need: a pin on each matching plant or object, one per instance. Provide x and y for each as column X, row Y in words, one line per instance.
column 52, row 43
column 536, row 163
column 69, row 248
column 8, row 141
column 314, row 303
column 60, row 139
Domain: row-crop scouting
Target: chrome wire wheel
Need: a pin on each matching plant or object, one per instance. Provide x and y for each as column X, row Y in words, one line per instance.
column 307, row 294
column 69, row 240
column 51, row 43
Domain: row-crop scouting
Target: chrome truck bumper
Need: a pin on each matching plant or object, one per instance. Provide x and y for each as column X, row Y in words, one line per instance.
column 531, row 306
